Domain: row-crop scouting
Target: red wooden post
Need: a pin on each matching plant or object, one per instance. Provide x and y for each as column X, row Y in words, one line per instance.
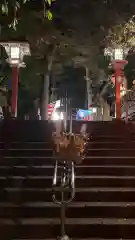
column 117, row 87
column 118, row 66
column 14, row 97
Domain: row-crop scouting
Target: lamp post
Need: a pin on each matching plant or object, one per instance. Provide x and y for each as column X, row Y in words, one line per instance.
column 118, row 62
column 16, row 52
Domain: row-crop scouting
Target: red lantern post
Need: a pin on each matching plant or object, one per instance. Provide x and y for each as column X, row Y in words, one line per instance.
column 118, row 67
column 16, row 52
column 116, row 56
column 14, row 97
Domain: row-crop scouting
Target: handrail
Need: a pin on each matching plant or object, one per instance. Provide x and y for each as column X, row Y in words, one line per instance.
column 69, row 149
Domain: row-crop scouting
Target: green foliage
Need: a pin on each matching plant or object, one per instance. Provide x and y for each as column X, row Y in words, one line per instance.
column 29, row 90
column 49, row 15
column 25, row 101
column 129, row 70
column 5, row 70
column 10, row 8
column 122, row 35
column 130, row 75
column 30, row 76
column 31, row 82
column 103, row 62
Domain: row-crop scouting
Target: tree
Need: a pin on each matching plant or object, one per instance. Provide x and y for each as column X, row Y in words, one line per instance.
column 123, row 36
column 11, row 9
column 5, row 77
column 129, row 69
column 71, row 26
column 42, row 52
column 33, row 78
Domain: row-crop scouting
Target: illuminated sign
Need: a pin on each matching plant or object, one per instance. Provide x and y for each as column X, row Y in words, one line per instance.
column 86, row 114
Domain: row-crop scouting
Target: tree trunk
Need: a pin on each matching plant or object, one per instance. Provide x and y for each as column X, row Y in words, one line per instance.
column 44, row 97
column 89, row 89
column 44, row 101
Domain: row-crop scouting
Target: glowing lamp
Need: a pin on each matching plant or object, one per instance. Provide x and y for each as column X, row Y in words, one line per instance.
column 118, row 54
column 118, row 62
column 16, row 51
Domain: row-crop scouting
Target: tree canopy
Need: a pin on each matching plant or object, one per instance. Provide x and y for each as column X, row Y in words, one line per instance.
column 11, row 9
column 78, row 29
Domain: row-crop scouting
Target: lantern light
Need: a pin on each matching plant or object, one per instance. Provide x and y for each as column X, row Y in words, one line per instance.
column 15, row 54
column 122, row 91
column 115, row 53
column 16, row 51
column 118, row 54
column 118, row 62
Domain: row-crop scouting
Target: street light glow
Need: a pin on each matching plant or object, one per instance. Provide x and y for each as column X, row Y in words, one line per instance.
column 115, row 53
column 118, row 54
column 122, row 91
column 15, row 53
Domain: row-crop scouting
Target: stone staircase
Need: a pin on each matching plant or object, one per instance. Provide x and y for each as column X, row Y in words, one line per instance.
column 104, row 205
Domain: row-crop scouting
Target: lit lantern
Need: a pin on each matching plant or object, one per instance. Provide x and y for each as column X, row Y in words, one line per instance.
column 117, row 56
column 16, row 52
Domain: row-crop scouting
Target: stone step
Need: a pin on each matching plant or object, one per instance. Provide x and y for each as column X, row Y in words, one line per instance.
column 47, row 145
column 25, row 145
column 111, row 145
column 72, row 204
column 26, row 130
column 84, row 228
column 49, row 152
column 111, row 152
column 81, row 181
column 104, row 204
column 94, row 160
column 77, row 239
column 27, row 152
column 101, row 126
column 74, row 210
column 24, row 137
column 48, row 170
column 68, row 221
column 107, row 136
column 20, row 195
column 111, row 138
